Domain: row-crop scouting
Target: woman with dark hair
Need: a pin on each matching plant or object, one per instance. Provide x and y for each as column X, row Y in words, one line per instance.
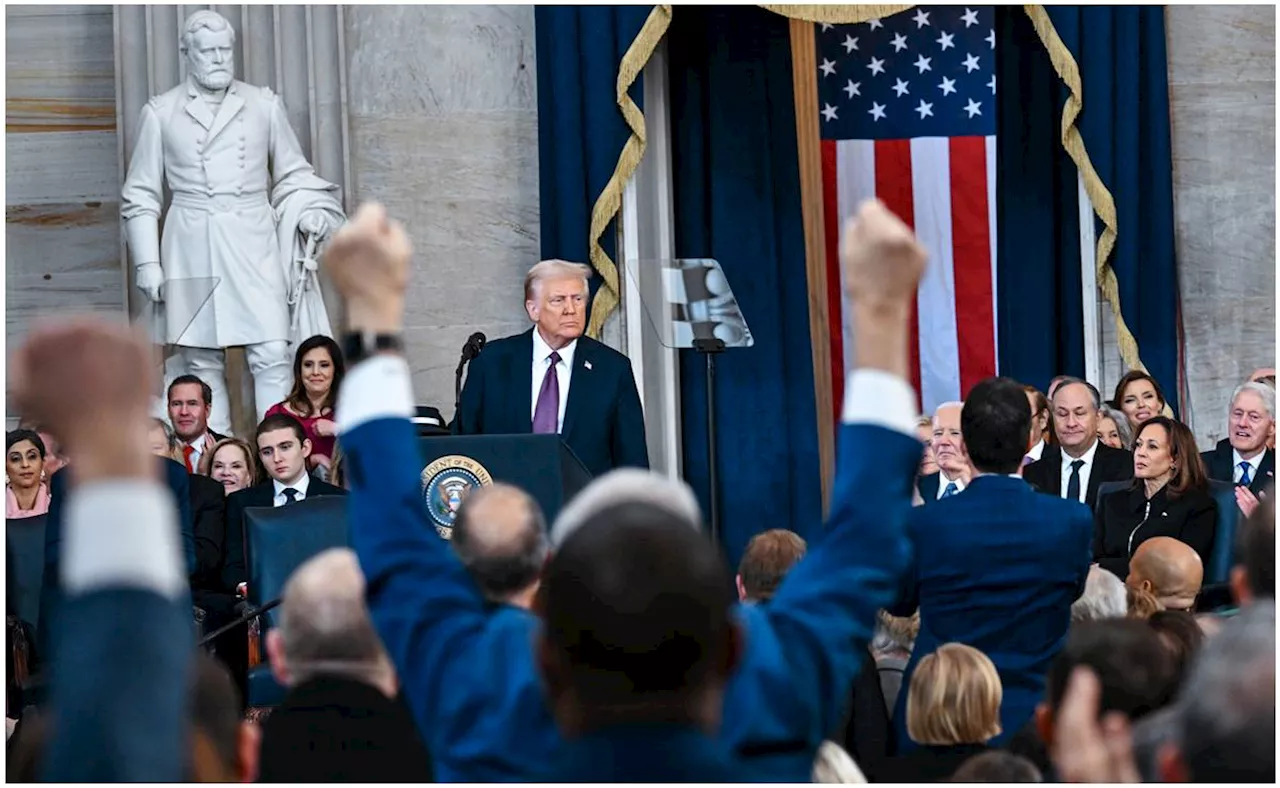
column 1180, row 633
column 1139, row 396
column 1169, row 496
column 317, row 375
column 26, row 493
column 1041, row 422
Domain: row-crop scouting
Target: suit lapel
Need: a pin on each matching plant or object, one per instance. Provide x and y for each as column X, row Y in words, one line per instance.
column 231, row 104
column 577, row 375
column 1266, row 472
column 522, row 382
column 198, row 109
column 929, row 487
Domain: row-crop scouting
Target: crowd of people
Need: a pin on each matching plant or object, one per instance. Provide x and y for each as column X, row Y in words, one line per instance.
column 1057, row 588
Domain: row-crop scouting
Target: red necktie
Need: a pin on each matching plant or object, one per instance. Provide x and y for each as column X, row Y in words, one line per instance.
column 187, row 451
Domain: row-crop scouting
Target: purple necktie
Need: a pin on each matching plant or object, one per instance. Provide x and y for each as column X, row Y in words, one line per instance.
column 546, row 416
column 1027, row 460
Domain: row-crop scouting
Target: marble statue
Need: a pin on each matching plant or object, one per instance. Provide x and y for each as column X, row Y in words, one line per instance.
column 247, row 216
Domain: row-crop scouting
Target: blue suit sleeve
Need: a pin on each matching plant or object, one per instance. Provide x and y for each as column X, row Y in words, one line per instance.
column 180, row 484
column 629, row 447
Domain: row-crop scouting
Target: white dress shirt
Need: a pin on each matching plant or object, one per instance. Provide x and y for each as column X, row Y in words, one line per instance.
column 123, row 532
column 1085, row 470
column 1037, row 451
column 1254, row 464
column 943, row 481
column 564, row 371
column 300, row 485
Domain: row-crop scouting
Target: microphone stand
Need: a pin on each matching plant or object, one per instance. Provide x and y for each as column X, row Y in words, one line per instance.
column 241, row 621
column 710, row 348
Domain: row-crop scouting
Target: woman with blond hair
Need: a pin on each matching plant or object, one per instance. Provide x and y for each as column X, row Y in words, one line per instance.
column 953, row 710
column 232, row 464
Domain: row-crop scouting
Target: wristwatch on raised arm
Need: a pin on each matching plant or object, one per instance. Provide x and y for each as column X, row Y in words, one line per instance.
column 359, row 345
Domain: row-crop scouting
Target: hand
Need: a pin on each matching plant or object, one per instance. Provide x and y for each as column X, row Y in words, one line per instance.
column 1246, row 500
column 325, row 428
column 319, row 461
column 882, row 260
column 368, row 262
column 105, row 434
column 149, row 279
column 1086, row 749
column 314, row 223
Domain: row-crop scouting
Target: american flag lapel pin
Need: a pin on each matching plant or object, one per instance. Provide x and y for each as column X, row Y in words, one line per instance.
column 586, row 364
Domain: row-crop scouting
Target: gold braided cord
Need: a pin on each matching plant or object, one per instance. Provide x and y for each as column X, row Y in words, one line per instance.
column 837, row 14
column 1099, row 196
column 609, row 202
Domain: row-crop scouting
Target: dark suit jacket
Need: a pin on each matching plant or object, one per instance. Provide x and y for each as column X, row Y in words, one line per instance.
column 603, row 422
column 1220, row 465
column 1109, row 465
column 1190, row 518
column 997, row 569
column 644, row 753
column 931, row 764
column 867, row 734
column 332, row 729
column 928, row 486
column 234, row 569
column 209, row 512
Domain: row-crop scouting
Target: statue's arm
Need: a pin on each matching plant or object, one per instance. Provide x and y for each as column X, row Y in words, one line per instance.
column 290, row 169
column 142, row 198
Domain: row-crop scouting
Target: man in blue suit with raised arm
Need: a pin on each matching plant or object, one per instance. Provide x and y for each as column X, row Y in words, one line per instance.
column 471, row 678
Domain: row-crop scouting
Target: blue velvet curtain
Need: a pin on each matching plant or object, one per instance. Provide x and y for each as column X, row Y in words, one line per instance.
column 580, row 128
column 737, row 199
column 1038, row 298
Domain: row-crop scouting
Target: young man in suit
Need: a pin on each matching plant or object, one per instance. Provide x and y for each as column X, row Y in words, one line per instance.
column 552, row 379
column 283, row 448
column 190, row 401
column 998, row 567
column 802, row 649
column 1088, row 462
column 1243, row 458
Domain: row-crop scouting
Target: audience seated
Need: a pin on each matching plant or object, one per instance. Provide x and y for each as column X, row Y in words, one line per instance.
column 500, row 536
column 341, row 720
column 190, row 400
column 231, row 464
column 1080, row 462
column 1167, row 569
column 54, row 457
column 1139, row 397
column 1181, row 634
column 954, row 471
column 894, row 641
column 1169, row 496
column 953, row 710
column 1246, row 457
column 26, row 491
column 1103, row 597
column 318, row 368
column 1113, row 429
column 997, row 766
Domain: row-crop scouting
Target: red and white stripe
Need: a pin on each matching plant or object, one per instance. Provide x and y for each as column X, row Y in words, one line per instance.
column 944, row 188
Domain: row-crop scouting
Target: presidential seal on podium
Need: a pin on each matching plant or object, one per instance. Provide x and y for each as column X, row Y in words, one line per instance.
column 446, row 483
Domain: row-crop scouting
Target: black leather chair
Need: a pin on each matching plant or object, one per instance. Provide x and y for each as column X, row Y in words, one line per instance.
column 277, row 541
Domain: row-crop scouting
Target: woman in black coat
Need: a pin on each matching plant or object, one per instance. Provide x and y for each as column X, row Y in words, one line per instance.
column 1169, row 497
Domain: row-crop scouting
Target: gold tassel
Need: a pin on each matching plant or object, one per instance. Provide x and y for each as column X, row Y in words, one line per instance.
column 837, row 14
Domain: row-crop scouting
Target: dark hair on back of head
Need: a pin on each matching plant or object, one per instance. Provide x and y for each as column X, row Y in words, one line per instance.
column 996, row 425
column 1181, row 634
column 1137, row 672
column 997, row 766
column 281, row 421
column 1256, row 548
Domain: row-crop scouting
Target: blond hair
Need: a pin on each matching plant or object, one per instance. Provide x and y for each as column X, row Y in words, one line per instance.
column 954, row 697
column 554, row 269
column 206, row 459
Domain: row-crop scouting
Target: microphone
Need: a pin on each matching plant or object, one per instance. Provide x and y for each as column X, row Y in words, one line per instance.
column 474, row 344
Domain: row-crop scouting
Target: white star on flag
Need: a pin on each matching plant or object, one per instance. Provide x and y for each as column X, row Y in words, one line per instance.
column 970, row 64
column 948, row 86
column 899, row 42
column 970, row 17
column 877, row 110
column 826, row 26
column 973, row 108
column 853, row 88
column 923, row 62
column 828, row 112
column 900, row 87
column 876, row 24
column 991, row 38
column 921, row 18
column 850, row 44
column 925, row 109
column 947, row 41
column 828, row 68
column 876, row 65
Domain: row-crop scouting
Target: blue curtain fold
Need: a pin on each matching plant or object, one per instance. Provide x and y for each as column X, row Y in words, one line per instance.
column 737, row 199
column 580, row 128
column 1038, row 287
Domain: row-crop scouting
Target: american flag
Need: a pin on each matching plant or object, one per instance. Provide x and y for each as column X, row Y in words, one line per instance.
column 907, row 109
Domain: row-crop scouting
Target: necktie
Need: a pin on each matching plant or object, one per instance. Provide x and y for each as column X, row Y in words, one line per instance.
column 187, row 451
column 290, row 495
column 1073, row 484
column 950, row 490
column 1245, row 481
column 1027, row 460
column 546, row 415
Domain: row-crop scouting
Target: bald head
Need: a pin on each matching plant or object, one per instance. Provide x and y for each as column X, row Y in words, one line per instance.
column 1167, row 569
column 627, row 485
column 500, row 535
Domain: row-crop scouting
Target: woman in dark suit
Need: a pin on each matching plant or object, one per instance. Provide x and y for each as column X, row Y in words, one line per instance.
column 1169, row 497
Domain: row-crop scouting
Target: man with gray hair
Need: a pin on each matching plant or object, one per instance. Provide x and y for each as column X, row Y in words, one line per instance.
column 521, row 384
column 1242, row 457
column 500, row 536
column 1103, row 597
column 954, row 470
column 341, row 719
column 1080, row 462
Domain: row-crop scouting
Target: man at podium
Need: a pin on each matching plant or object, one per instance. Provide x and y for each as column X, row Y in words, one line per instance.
column 552, row 379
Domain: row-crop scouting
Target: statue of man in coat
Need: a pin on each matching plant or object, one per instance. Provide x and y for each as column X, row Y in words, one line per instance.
column 247, row 215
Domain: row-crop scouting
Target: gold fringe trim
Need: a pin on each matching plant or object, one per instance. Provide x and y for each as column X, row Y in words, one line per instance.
column 1099, row 196
column 837, row 14
column 609, row 202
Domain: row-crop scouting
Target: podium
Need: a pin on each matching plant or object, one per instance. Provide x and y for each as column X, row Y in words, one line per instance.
column 454, row 465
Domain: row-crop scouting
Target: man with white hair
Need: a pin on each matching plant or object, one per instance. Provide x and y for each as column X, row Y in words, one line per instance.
column 1103, row 597
column 954, row 470
column 1243, row 458
column 521, row 384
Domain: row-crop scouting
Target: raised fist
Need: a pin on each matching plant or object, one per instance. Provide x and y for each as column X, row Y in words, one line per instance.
column 882, row 260
column 368, row 261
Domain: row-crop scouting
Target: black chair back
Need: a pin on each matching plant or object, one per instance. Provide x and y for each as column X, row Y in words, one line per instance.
column 24, row 563
column 1106, row 488
column 280, row 539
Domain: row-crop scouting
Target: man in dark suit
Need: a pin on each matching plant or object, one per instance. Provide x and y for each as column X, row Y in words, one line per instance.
column 283, row 448
column 998, row 567
column 954, row 471
column 1242, row 458
column 1088, row 461
column 552, row 379
column 190, row 400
